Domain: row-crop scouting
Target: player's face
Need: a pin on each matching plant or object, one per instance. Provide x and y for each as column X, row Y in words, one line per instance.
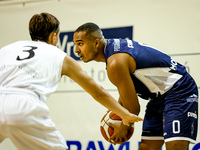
column 86, row 46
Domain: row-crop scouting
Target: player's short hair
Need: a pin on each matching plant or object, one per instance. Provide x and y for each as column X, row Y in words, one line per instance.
column 42, row 25
column 88, row 28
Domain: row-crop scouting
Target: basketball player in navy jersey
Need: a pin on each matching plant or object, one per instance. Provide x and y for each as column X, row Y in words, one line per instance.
column 29, row 72
column 140, row 70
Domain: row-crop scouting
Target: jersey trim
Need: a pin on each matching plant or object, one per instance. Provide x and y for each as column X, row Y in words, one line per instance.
column 180, row 138
column 157, row 80
column 152, row 137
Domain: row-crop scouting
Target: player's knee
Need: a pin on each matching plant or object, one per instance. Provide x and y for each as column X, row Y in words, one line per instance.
column 151, row 145
column 177, row 145
column 144, row 146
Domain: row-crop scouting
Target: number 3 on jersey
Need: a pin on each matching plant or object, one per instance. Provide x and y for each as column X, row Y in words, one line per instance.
column 30, row 51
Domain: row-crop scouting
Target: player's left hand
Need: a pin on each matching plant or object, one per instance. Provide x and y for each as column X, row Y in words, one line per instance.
column 120, row 132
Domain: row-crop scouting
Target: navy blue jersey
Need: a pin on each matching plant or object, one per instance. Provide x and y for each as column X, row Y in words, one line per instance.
column 156, row 73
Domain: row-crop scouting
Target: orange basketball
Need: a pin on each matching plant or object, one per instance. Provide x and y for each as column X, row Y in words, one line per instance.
column 107, row 130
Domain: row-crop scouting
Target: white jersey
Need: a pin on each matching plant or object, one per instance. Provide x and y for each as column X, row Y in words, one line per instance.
column 30, row 66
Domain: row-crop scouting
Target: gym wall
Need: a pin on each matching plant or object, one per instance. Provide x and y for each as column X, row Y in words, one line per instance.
column 172, row 26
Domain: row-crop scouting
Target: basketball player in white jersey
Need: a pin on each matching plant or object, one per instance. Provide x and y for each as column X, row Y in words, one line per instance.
column 29, row 72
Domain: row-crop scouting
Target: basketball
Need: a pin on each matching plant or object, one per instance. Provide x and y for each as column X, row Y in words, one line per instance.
column 107, row 130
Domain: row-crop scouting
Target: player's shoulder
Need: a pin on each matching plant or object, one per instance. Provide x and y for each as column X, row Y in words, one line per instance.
column 23, row 42
column 18, row 43
column 118, row 44
column 115, row 41
column 38, row 44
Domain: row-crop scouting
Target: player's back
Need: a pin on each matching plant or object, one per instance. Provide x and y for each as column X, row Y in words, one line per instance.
column 31, row 65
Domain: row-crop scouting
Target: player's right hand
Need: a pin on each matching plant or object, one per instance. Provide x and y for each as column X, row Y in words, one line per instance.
column 120, row 132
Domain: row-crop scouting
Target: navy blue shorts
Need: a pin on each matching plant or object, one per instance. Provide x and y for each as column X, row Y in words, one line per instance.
column 172, row 117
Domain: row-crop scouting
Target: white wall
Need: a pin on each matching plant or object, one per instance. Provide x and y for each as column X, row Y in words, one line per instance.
column 170, row 25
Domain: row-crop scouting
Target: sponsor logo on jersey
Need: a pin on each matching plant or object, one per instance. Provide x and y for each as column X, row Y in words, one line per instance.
column 116, row 45
column 130, row 43
column 191, row 114
column 173, row 64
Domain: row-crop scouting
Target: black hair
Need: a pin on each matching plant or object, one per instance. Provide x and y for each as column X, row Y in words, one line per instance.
column 88, row 28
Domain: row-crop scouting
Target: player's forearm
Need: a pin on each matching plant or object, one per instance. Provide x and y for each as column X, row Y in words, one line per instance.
column 104, row 98
column 133, row 107
column 109, row 102
column 99, row 93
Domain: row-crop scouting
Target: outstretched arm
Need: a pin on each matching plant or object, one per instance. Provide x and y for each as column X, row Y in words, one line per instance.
column 73, row 70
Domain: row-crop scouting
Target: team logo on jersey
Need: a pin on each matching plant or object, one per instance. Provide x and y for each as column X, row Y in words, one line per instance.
column 192, row 98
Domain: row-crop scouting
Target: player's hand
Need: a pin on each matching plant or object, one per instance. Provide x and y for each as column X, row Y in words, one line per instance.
column 120, row 132
column 131, row 118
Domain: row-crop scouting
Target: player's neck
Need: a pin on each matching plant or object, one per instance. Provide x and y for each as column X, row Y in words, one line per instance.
column 101, row 55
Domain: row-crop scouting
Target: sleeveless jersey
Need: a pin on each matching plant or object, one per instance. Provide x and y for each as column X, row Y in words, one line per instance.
column 30, row 66
column 156, row 73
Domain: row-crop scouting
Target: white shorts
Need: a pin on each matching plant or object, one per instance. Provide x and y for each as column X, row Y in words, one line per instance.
column 25, row 121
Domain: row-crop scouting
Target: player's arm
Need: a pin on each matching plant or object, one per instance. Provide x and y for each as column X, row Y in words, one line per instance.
column 119, row 68
column 73, row 70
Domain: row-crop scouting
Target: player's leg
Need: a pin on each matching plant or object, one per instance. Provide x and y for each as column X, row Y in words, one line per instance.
column 36, row 137
column 29, row 126
column 151, row 144
column 152, row 131
column 2, row 119
column 2, row 138
column 177, row 145
column 180, row 123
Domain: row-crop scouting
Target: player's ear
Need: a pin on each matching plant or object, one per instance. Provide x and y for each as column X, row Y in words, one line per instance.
column 97, row 42
column 52, row 38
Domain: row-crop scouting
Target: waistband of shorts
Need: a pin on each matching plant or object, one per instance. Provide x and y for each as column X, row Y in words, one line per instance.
column 17, row 91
